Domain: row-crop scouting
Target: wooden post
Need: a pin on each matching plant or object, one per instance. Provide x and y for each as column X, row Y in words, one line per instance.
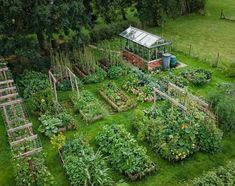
column 190, row 50
column 55, row 92
column 217, row 60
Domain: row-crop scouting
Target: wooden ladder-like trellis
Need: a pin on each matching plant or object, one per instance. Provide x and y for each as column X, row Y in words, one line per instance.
column 19, row 130
column 181, row 98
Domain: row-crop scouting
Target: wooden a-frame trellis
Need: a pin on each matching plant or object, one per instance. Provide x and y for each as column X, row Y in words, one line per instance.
column 13, row 113
column 188, row 99
column 69, row 74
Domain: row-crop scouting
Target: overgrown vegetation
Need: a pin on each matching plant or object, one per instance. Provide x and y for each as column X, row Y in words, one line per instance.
column 224, row 175
column 223, row 104
column 123, row 152
column 83, row 166
column 176, row 134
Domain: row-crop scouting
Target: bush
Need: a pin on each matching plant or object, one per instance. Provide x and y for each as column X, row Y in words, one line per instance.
column 123, row 152
column 176, row 134
column 218, row 177
column 41, row 102
column 64, row 85
column 223, row 104
column 109, row 31
column 98, row 76
column 116, row 71
column 32, row 82
column 83, row 166
column 197, row 77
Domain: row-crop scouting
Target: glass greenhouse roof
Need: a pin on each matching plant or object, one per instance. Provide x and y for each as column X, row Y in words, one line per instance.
column 141, row 37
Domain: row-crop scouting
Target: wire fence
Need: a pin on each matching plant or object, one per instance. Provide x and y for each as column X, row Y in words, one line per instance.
column 215, row 59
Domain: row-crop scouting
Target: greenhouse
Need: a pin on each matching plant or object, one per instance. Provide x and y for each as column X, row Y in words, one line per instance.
column 142, row 47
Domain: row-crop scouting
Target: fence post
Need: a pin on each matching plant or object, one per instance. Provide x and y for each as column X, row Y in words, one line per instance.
column 217, row 60
column 190, row 50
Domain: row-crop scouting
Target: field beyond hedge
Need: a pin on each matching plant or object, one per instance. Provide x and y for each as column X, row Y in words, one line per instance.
column 207, row 34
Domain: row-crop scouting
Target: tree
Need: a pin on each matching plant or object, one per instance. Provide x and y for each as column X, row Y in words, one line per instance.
column 42, row 18
column 150, row 13
column 109, row 9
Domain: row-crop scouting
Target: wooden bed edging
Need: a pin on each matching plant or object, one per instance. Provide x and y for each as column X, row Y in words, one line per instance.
column 90, row 120
column 140, row 175
column 117, row 108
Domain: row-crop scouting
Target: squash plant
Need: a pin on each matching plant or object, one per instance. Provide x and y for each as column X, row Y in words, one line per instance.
column 83, row 166
column 123, row 152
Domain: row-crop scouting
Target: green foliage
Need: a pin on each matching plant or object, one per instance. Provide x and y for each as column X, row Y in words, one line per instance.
column 31, row 82
column 49, row 125
column 123, row 152
column 176, row 134
column 42, row 101
column 64, row 85
column 98, row 76
column 197, row 77
column 223, row 104
column 83, row 166
column 88, row 105
column 117, row 71
column 150, row 13
column 25, row 18
column 221, row 176
column 31, row 171
column 113, row 93
column 109, row 31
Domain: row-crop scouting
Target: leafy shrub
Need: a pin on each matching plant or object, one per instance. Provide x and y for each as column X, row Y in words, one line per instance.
column 116, row 71
column 223, row 105
column 31, row 82
column 123, row 152
column 88, row 105
column 222, row 176
column 83, row 166
column 64, row 85
column 98, row 76
column 49, row 125
column 176, row 134
column 109, row 31
column 208, row 136
column 42, row 101
column 197, row 77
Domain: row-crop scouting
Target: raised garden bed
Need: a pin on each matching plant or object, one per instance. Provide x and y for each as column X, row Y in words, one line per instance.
column 82, row 164
column 116, row 98
column 88, row 106
column 123, row 152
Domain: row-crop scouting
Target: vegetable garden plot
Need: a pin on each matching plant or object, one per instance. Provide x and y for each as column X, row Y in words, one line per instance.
column 82, row 165
column 24, row 145
column 123, row 152
column 116, row 98
column 176, row 134
column 88, row 106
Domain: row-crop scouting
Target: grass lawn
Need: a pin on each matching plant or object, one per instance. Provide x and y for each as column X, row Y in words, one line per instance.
column 207, row 34
column 167, row 174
